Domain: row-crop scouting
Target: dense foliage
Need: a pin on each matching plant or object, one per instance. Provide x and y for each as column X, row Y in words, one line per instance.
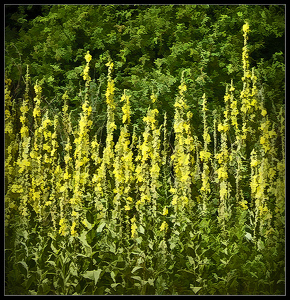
column 144, row 149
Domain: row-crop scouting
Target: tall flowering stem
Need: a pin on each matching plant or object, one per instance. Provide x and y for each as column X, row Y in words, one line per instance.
column 222, row 172
column 183, row 147
column 81, row 155
column 123, row 171
column 104, row 173
column 205, row 158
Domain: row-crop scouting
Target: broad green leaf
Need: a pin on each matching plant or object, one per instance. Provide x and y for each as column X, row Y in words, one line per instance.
column 139, row 240
column 151, row 281
column 195, row 289
column 24, row 264
column 93, row 275
column 83, row 239
column 141, row 229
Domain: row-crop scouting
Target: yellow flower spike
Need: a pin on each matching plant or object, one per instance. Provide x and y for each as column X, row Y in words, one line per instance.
column 246, row 28
column 110, row 64
column 63, row 227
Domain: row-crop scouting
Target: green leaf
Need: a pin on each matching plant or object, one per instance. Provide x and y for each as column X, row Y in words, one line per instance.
column 151, row 281
column 53, row 248
column 254, row 274
column 191, row 260
column 195, row 288
column 24, row 264
column 90, row 217
column 137, row 278
column 83, row 239
column 224, row 262
column 51, row 262
column 73, row 269
column 113, row 285
column 101, row 226
column 113, row 275
column 141, row 229
column 136, row 268
column 93, row 275
column 112, row 248
column 248, row 236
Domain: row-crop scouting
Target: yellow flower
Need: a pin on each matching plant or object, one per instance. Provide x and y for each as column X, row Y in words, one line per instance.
column 46, row 147
column 204, row 155
column 244, row 204
column 85, row 222
column 172, row 190
column 206, row 137
column 174, row 200
column 164, row 226
column 88, row 57
column 127, row 207
column 86, row 75
column 223, row 127
column 182, row 88
column 155, row 169
column 62, row 224
column 246, row 27
column 73, row 231
column 262, row 140
column 222, row 174
column 133, row 227
column 254, row 163
column 153, row 98
column 62, row 189
column 165, row 211
column 263, row 112
column 36, row 112
column 110, row 64
column 24, row 130
column 37, row 89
